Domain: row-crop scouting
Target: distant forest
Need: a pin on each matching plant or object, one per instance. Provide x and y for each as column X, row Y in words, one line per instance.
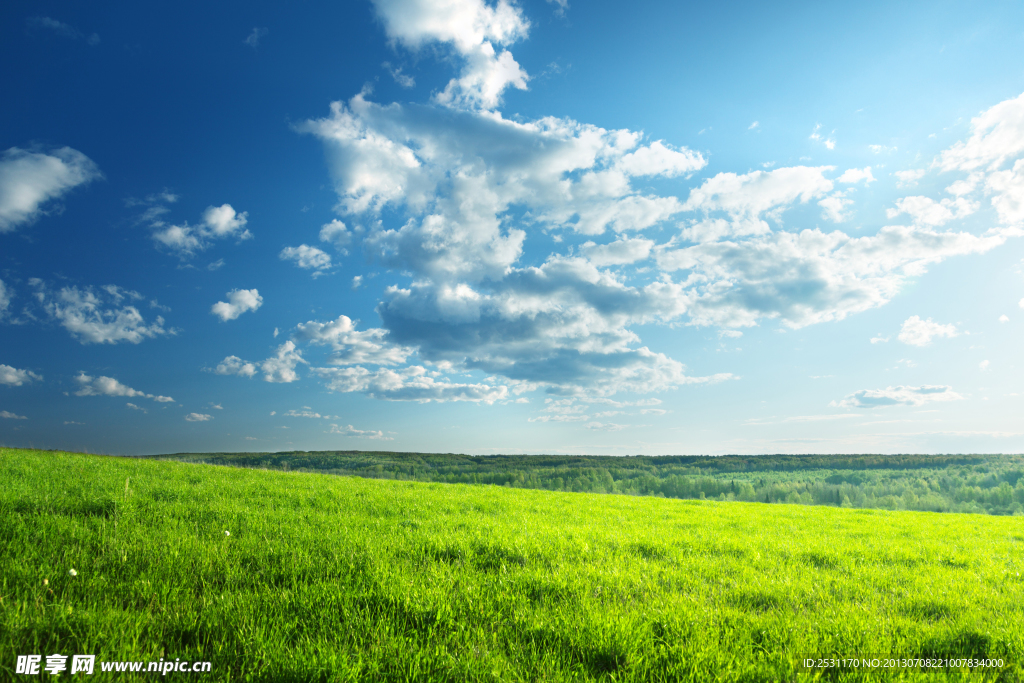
column 992, row 484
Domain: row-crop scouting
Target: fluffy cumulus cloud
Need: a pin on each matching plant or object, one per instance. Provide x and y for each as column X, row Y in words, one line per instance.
column 618, row 253
column 997, row 135
column 239, row 301
column 1007, row 190
column 336, row 234
column 472, row 29
column 461, row 177
column 736, row 205
column 917, row 332
column 233, row 365
column 349, row 430
column 897, row 396
column 856, row 175
column 218, row 222
column 31, row 181
column 104, row 315
column 448, row 193
column 108, row 386
column 7, row 415
column 14, row 377
column 279, row 367
column 307, row 257
column 927, row 211
column 459, row 173
column 997, row 139
column 349, row 346
column 198, row 417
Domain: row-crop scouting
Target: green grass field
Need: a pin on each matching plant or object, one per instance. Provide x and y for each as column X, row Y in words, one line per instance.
column 327, row 578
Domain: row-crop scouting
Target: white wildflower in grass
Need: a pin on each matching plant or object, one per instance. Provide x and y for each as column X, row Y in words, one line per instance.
column 227, row 533
column 72, row 572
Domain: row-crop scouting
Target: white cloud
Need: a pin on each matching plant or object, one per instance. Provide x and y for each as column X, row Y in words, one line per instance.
column 1004, row 319
column 233, row 365
column 349, row 430
column 28, row 180
column 132, row 406
column 811, row 276
column 899, row 395
column 983, row 365
column 1008, row 190
column 108, row 386
column 96, row 316
column 5, row 299
column 198, row 417
column 239, row 301
column 659, row 159
column 412, row 383
column 278, row 368
column 562, row 325
column 927, row 211
column 281, row 366
column 449, row 197
column 917, row 332
column 350, row 346
column 835, row 206
column 459, row 173
column 305, row 412
column 909, row 178
column 759, row 192
column 754, row 125
column 748, row 199
column 472, row 28
column 337, row 234
column 307, row 257
column 997, row 135
column 829, row 142
column 879, row 339
column 223, row 221
column 11, row 416
column 219, row 222
column 878, row 149
column 617, row 253
column 483, row 80
column 856, row 175
column 13, row 377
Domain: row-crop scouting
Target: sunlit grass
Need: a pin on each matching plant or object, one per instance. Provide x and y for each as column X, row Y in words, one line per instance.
column 335, row 578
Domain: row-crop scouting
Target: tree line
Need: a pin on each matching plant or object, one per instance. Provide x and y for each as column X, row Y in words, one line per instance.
column 992, row 484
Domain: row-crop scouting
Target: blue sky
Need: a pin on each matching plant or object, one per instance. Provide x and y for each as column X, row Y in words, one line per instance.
column 513, row 227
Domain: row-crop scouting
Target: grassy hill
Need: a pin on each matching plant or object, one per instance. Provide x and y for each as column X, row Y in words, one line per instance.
column 933, row 483
column 323, row 578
